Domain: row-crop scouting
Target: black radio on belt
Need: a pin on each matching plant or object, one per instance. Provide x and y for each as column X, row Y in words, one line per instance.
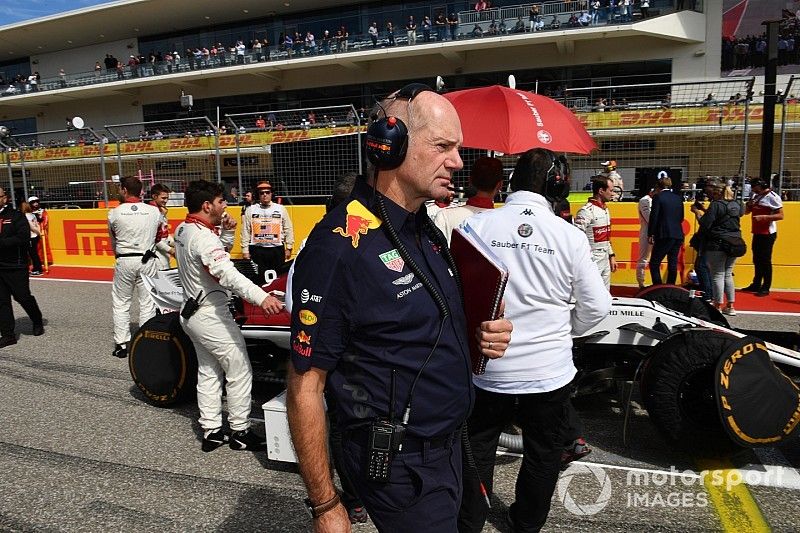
column 191, row 306
column 385, row 440
column 147, row 256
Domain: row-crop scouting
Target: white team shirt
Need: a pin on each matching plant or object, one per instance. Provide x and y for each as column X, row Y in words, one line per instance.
column 134, row 227
column 549, row 268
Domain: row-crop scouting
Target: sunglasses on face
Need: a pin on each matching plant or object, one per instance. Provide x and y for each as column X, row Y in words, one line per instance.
column 265, row 191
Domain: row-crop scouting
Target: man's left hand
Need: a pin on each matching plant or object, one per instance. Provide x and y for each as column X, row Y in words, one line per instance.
column 612, row 261
column 494, row 335
column 287, row 252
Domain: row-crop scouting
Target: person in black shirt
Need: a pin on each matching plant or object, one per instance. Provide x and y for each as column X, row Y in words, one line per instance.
column 369, row 296
column 14, row 281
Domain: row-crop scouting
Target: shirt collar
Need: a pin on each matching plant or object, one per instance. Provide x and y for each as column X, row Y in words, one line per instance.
column 398, row 217
column 481, row 201
column 132, row 200
column 598, row 203
column 193, row 219
column 530, row 199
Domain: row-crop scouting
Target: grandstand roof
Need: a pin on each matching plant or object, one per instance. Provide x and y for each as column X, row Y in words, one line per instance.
column 134, row 18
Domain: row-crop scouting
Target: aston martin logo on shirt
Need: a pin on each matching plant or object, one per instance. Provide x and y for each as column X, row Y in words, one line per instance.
column 405, row 280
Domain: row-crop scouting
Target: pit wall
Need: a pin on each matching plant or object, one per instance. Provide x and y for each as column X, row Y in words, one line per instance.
column 79, row 237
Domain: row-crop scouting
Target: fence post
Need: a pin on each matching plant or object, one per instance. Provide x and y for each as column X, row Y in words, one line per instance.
column 7, row 151
column 24, row 172
column 238, row 156
column 746, row 135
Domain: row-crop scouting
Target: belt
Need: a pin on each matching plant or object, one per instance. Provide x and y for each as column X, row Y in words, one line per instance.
column 411, row 444
column 132, row 254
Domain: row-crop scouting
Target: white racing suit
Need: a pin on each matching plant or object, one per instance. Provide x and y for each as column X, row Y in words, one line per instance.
column 207, row 274
column 645, row 205
column 134, row 229
column 164, row 243
column 595, row 221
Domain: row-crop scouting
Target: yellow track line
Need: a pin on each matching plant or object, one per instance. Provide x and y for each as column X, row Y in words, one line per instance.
column 737, row 510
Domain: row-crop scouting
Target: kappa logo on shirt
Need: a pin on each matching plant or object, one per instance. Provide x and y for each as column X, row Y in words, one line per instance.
column 528, row 212
column 358, row 222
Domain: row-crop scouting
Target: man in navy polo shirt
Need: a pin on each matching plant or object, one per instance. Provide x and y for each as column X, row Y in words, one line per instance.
column 377, row 314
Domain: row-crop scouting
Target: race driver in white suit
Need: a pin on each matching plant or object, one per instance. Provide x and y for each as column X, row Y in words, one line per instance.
column 134, row 228
column 207, row 274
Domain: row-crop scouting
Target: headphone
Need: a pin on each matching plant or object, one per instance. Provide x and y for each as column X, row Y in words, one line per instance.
column 557, row 183
column 387, row 137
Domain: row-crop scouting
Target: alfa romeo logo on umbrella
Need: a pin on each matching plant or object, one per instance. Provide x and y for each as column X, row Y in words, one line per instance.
column 544, row 136
column 584, row 509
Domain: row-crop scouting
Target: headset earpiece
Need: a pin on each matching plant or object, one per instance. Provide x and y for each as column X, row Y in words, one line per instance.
column 557, row 185
column 387, row 137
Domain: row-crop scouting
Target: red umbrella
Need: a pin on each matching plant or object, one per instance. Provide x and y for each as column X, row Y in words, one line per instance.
column 513, row 121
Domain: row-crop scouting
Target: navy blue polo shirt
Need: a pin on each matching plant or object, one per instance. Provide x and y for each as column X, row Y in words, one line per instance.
column 359, row 312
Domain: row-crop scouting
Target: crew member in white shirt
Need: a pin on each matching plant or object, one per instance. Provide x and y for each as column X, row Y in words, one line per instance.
column 134, row 228
column 487, row 178
column 645, row 205
column 553, row 286
column 267, row 232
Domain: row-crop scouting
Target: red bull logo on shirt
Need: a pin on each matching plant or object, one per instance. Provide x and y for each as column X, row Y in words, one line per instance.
column 358, row 222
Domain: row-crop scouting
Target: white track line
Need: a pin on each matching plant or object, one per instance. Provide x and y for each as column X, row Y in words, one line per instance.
column 72, row 280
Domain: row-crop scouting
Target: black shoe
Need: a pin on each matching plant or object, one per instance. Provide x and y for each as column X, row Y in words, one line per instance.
column 120, row 350
column 750, row 288
column 215, row 439
column 36, row 273
column 38, row 329
column 763, row 292
column 247, row 440
column 7, row 341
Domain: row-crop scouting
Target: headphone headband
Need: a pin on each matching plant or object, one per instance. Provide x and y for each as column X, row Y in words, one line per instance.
column 387, row 137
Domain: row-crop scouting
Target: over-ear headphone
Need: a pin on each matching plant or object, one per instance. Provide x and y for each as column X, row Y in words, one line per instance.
column 557, row 184
column 387, row 137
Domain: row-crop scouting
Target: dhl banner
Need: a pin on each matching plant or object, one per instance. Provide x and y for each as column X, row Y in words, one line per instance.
column 183, row 144
column 79, row 237
column 722, row 115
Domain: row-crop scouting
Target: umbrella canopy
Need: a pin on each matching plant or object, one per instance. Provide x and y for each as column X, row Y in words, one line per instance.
column 513, row 121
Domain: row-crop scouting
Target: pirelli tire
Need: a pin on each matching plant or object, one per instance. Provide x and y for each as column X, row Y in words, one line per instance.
column 162, row 361
column 678, row 390
column 681, row 300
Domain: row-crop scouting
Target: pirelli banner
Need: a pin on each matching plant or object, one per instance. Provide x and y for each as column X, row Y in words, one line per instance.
column 184, row 144
column 79, row 237
column 681, row 117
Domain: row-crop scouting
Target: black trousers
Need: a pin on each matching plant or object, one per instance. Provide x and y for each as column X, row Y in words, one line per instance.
column 762, row 260
column 423, row 492
column 267, row 258
column 15, row 283
column 543, row 419
column 661, row 248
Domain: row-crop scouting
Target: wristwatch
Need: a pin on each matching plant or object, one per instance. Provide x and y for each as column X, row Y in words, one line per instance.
column 315, row 511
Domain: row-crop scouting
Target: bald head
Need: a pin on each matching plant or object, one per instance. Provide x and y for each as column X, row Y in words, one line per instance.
column 434, row 138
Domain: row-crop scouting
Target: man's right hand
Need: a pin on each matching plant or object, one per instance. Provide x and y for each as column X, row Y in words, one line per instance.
column 271, row 305
column 334, row 521
column 245, row 255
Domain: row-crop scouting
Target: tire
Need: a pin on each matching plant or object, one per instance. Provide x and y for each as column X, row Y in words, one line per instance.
column 680, row 300
column 678, row 391
column 162, row 361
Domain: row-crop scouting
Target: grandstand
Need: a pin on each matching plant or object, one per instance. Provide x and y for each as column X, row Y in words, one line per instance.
column 647, row 87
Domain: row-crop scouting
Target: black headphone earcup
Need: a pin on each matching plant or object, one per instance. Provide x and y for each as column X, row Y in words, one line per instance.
column 387, row 143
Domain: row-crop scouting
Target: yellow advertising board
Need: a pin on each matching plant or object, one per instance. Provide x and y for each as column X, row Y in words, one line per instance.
column 183, row 144
column 79, row 237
